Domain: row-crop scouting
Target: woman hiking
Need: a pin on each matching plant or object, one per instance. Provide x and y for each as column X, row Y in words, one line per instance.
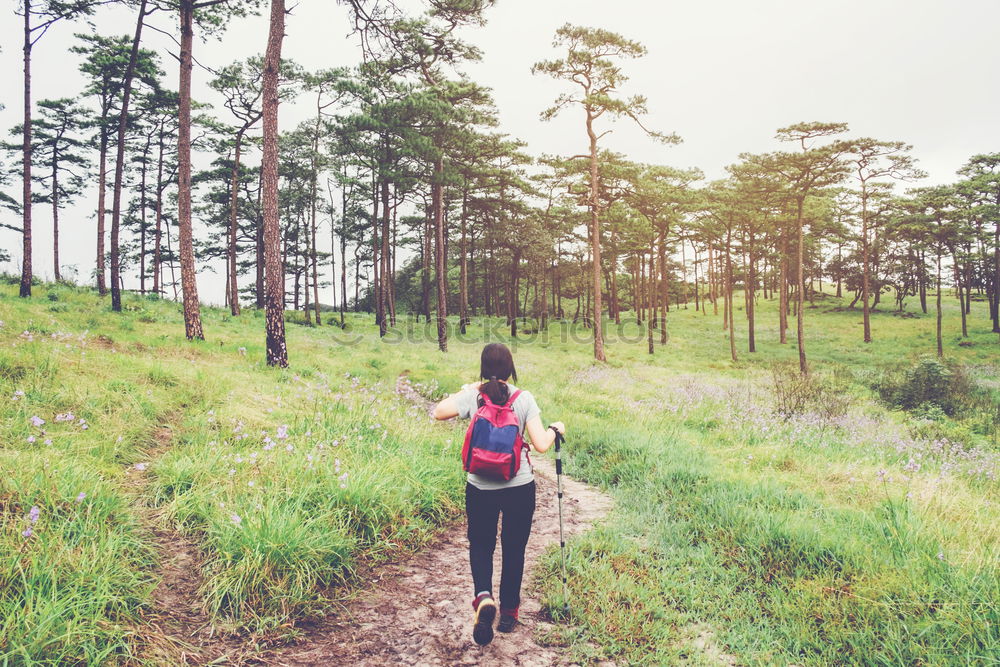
column 487, row 496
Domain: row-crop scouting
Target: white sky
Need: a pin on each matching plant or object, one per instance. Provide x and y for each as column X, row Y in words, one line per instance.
column 723, row 74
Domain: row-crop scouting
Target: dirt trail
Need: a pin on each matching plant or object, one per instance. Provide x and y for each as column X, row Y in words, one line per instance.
column 418, row 612
column 177, row 630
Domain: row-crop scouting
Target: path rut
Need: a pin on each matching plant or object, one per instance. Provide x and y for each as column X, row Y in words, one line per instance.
column 177, row 631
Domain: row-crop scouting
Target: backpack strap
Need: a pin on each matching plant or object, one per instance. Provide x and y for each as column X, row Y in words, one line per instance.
column 483, row 399
column 510, row 401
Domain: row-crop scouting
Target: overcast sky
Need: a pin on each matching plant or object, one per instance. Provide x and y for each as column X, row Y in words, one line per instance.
column 723, row 74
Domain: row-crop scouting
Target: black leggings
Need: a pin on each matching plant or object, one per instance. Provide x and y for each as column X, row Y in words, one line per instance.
column 517, row 504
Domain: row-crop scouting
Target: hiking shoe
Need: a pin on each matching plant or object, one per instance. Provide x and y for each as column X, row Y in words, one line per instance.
column 508, row 620
column 486, row 613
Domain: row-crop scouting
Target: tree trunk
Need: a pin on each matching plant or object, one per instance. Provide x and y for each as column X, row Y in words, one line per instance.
column 940, row 344
column 26, row 274
column 613, row 306
column 296, row 274
column 962, row 296
column 713, row 281
column 383, row 287
column 651, row 294
column 313, row 223
column 302, row 269
column 189, row 286
column 391, row 291
column 698, row 305
column 334, row 282
column 142, row 215
column 729, row 296
column 543, row 319
column 800, row 286
column 343, row 257
column 357, row 279
column 274, row 315
column 116, row 195
column 173, row 274
column 159, row 216
column 595, row 241
column 102, row 177
column 55, row 215
column 440, row 260
column 751, row 287
column 463, row 304
column 840, row 271
column 259, row 287
column 234, row 207
column 922, row 283
column 512, row 297
column 865, row 265
column 425, row 274
column 996, row 276
column 315, row 271
column 783, row 291
column 684, row 274
column 662, row 291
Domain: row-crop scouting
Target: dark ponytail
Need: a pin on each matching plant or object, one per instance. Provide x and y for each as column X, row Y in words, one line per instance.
column 496, row 364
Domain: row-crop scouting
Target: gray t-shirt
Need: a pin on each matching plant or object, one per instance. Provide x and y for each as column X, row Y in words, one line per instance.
column 525, row 408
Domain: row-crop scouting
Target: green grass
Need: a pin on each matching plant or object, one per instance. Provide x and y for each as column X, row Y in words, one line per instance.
column 850, row 532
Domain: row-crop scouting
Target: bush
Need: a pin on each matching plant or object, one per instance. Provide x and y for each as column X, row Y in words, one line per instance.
column 795, row 394
column 934, row 389
column 929, row 387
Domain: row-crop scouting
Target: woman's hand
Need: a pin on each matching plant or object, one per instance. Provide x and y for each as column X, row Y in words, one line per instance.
column 559, row 426
column 542, row 437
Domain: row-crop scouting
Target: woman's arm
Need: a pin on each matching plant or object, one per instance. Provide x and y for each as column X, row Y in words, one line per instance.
column 448, row 407
column 541, row 437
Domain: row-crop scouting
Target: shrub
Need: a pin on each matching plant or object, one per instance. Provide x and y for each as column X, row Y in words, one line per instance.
column 795, row 394
column 934, row 390
column 930, row 386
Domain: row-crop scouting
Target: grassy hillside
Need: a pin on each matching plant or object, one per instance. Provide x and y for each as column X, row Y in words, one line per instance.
column 782, row 521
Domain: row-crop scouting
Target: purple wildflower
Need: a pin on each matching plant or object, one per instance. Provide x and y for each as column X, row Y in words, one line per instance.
column 80, row 497
column 27, row 532
column 37, row 421
column 33, row 514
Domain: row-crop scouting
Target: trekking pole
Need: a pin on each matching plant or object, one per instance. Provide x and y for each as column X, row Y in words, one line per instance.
column 562, row 540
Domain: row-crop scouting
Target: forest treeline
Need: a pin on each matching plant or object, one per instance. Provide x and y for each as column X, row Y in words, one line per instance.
column 404, row 190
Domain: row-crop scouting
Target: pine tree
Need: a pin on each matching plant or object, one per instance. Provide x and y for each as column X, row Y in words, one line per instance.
column 590, row 62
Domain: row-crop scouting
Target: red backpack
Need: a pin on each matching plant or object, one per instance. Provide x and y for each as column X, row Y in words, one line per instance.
column 493, row 442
